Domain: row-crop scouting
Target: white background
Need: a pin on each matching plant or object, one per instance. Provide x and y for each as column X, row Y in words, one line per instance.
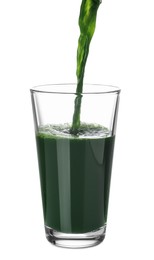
column 38, row 41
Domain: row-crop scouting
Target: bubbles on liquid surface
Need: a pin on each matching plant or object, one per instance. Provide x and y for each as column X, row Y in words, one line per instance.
column 85, row 131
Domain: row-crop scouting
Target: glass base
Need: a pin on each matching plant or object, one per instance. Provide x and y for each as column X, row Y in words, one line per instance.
column 83, row 240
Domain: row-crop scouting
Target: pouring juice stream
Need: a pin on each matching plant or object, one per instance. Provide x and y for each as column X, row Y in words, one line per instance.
column 87, row 24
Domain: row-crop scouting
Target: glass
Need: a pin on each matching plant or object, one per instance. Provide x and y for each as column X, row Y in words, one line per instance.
column 75, row 170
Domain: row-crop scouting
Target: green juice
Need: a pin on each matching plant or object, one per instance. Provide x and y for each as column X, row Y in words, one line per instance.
column 75, row 173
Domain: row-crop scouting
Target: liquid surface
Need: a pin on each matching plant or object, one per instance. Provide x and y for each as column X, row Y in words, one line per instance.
column 75, row 177
column 84, row 131
column 87, row 24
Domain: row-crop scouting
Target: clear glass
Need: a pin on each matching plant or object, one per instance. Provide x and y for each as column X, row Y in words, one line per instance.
column 75, row 170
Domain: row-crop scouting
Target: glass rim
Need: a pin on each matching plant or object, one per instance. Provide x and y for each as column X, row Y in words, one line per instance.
column 108, row 89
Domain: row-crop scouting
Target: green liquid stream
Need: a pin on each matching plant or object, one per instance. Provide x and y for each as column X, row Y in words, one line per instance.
column 87, row 24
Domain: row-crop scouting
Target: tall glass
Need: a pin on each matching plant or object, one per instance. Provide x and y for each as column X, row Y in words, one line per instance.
column 75, row 169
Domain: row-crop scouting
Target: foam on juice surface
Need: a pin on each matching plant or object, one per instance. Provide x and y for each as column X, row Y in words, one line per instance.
column 63, row 131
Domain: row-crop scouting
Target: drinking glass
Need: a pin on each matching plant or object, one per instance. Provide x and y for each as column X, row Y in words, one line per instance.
column 75, row 168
